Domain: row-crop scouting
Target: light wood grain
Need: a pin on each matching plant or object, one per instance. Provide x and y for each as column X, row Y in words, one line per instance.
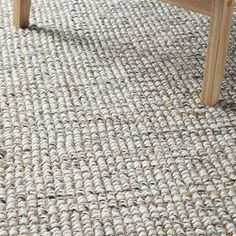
column 201, row 6
column 21, row 13
column 221, row 20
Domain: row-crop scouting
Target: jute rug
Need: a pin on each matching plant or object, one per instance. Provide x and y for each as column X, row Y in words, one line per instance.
column 102, row 128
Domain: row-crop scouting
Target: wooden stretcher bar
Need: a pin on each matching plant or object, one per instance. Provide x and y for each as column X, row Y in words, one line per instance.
column 200, row 6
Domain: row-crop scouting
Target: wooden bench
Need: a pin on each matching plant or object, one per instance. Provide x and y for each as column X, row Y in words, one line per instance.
column 220, row 11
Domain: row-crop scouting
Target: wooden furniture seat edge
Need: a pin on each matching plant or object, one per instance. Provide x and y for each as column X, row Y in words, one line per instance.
column 221, row 13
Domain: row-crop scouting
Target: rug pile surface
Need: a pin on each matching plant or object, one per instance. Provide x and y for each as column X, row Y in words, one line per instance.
column 102, row 131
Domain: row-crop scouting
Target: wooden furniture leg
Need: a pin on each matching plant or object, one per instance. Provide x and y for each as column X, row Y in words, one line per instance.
column 221, row 19
column 221, row 12
column 21, row 13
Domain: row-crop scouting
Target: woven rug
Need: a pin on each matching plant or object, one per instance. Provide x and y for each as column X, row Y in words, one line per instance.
column 102, row 128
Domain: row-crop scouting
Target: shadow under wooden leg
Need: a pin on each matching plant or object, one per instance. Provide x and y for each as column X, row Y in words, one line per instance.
column 221, row 20
column 21, row 13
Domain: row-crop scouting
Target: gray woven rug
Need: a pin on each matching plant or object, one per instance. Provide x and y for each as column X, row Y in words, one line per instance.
column 102, row 128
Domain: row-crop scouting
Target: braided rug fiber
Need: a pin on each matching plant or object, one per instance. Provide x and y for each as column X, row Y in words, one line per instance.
column 102, row 128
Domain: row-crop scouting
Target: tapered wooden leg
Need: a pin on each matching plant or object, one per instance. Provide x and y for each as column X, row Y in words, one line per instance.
column 221, row 20
column 21, row 13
